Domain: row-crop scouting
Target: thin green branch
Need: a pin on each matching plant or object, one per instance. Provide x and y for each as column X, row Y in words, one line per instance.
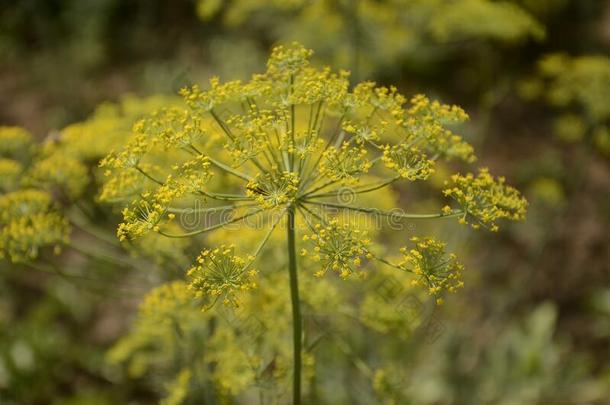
column 223, row 166
column 212, row 227
column 230, row 135
column 310, row 176
column 323, row 186
column 266, row 238
column 177, row 210
column 367, row 188
column 148, row 176
column 102, row 256
column 376, row 211
column 225, row 197
column 313, row 213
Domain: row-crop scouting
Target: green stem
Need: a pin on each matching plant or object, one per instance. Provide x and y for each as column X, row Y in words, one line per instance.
column 101, row 256
column 222, row 166
column 292, row 125
column 148, row 176
column 296, row 310
column 376, row 211
column 212, row 227
column 364, row 189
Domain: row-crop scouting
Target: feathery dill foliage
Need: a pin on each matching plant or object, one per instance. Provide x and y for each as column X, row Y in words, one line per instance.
column 292, row 139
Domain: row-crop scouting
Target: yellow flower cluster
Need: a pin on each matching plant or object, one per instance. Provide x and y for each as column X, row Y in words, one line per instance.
column 165, row 301
column 146, row 213
column 486, row 199
column 139, row 219
column 579, row 86
column 379, row 98
column 583, row 81
column 109, row 125
column 178, row 389
column 364, row 134
column 433, row 268
column 419, row 123
column 345, row 164
column 338, row 247
column 10, row 172
column 58, row 170
column 172, row 127
column 28, row 222
column 273, row 189
column 124, row 185
column 14, row 141
column 239, row 343
column 137, row 146
column 250, row 136
column 286, row 61
column 428, row 120
column 317, row 85
column 205, row 101
column 67, row 160
column 220, row 274
column 408, row 162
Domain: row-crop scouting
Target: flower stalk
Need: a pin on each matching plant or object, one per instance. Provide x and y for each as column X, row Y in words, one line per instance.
column 296, row 308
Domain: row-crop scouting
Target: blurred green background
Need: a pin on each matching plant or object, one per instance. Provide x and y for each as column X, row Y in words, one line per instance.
column 532, row 325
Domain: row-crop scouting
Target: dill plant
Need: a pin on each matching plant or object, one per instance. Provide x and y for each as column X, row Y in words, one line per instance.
column 279, row 149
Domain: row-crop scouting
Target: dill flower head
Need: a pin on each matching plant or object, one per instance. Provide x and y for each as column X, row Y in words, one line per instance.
column 338, row 247
column 10, row 173
column 486, row 199
column 84, row 141
column 274, row 189
column 433, row 268
column 165, row 302
column 15, row 141
column 219, row 273
column 345, row 164
column 58, row 171
column 29, row 222
column 408, row 162
column 288, row 144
